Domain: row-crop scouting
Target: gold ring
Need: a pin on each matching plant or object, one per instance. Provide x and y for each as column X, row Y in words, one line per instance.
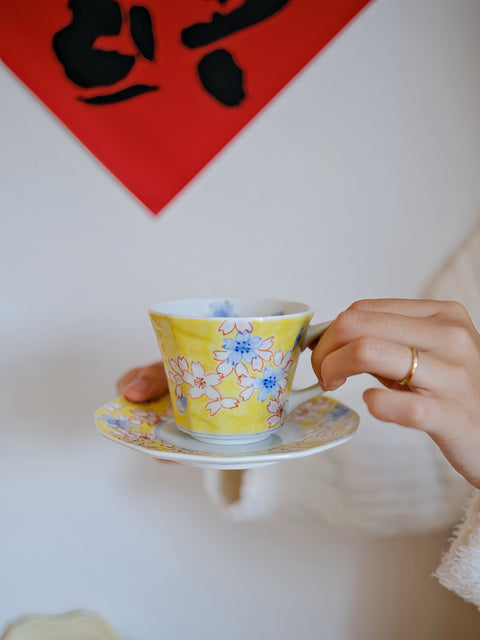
column 413, row 367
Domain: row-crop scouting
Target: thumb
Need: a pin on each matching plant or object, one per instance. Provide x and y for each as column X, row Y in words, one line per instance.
column 143, row 383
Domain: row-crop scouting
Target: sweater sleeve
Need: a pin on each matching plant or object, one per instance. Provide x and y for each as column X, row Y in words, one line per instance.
column 459, row 570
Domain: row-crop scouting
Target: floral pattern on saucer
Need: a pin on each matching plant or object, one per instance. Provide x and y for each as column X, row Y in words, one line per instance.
column 314, row 426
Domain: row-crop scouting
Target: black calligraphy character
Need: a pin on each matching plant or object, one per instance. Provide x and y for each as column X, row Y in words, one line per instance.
column 218, row 72
column 89, row 67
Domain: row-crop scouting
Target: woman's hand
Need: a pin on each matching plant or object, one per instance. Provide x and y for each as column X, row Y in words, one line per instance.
column 143, row 383
column 442, row 397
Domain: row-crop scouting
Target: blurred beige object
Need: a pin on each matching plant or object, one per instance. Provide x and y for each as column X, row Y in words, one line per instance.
column 75, row 625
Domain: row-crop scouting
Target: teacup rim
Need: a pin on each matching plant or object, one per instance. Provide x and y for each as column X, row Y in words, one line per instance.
column 304, row 309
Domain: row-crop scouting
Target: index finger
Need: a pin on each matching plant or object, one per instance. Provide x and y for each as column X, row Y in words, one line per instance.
column 415, row 308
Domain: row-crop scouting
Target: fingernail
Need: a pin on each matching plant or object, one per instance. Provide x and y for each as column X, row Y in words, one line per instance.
column 337, row 383
column 138, row 387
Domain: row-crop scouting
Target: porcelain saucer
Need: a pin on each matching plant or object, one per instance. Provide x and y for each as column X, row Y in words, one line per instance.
column 314, row 426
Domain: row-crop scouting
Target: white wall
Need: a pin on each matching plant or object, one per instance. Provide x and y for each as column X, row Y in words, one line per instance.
column 356, row 181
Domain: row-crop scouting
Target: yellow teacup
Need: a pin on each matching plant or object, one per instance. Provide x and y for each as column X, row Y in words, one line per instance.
column 230, row 364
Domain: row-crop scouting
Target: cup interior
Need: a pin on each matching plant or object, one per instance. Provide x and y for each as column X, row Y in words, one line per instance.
column 230, row 308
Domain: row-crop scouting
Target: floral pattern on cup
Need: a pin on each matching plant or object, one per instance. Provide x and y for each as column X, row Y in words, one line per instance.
column 230, row 325
column 244, row 349
column 247, row 358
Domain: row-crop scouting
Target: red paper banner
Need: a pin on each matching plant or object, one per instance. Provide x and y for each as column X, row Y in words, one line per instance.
column 155, row 89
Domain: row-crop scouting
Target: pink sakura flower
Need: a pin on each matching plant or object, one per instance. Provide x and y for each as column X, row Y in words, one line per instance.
column 136, row 437
column 131, row 436
column 232, row 324
column 283, row 361
column 247, row 383
column 277, row 408
column 309, row 410
column 201, row 383
column 222, row 403
column 149, row 416
column 176, row 372
column 113, row 406
column 148, row 437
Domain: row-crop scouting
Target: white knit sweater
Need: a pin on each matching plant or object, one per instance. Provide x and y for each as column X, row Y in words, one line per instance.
column 460, row 567
column 388, row 480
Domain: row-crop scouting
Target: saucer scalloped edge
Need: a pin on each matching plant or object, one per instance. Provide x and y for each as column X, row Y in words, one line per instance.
column 316, row 425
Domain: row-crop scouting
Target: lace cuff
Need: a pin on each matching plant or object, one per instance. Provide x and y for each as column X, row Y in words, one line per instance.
column 459, row 570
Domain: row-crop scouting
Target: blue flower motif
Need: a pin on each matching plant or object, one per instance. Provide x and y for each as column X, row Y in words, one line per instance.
column 338, row 412
column 222, row 309
column 182, row 404
column 269, row 383
column 118, row 423
column 244, row 347
column 298, row 338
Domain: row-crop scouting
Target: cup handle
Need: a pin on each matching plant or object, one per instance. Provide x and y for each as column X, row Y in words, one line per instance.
column 299, row 396
column 314, row 332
